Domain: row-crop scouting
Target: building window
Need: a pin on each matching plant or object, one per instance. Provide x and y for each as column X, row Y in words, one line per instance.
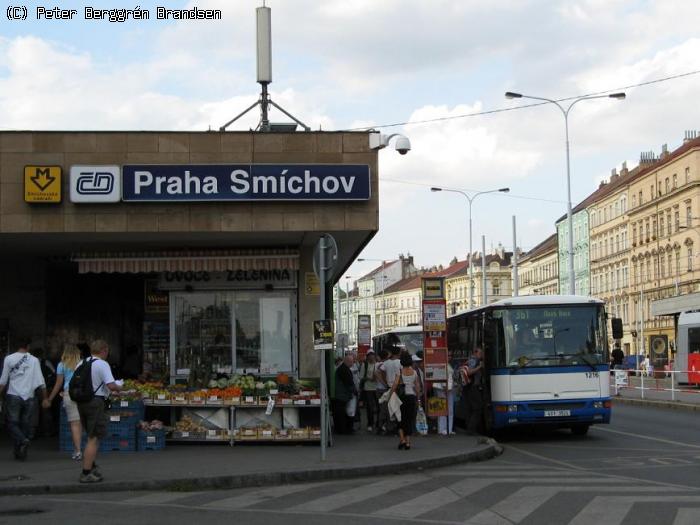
column 651, row 192
column 677, row 220
column 678, row 262
column 675, row 181
column 687, row 175
column 617, row 209
column 647, row 230
column 654, row 229
column 623, row 204
column 668, row 223
column 670, row 265
column 641, row 272
column 663, row 266
column 688, row 216
column 667, row 185
column 496, row 288
column 641, row 198
column 690, row 258
column 634, row 234
column 634, row 200
column 661, row 225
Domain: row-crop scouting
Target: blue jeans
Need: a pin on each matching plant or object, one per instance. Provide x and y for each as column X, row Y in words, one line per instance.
column 19, row 418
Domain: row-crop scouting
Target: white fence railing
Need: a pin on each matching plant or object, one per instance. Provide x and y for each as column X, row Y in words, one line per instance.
column 650, row 380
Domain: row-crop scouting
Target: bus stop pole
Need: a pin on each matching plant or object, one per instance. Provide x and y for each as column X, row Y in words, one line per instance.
column 322, row 301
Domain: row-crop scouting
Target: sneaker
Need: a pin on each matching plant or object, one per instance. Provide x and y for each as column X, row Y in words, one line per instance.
column 443, row 433
column 91, row 477
column 77, row 456
column 369, row 429
column 22, row 452
column 453, row 433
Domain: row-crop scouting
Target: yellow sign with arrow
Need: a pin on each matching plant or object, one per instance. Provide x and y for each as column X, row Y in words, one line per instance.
column 42, row 184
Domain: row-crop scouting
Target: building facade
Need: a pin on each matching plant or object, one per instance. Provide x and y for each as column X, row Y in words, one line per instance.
column 190, row 249
column 538, row 269
column 663, row 218
column 581, row 252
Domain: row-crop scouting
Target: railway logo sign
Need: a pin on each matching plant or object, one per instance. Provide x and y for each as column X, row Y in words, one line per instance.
column 95, row 184
column 42, row 184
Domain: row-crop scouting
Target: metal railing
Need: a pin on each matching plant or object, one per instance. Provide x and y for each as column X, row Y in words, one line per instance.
column 651, row 380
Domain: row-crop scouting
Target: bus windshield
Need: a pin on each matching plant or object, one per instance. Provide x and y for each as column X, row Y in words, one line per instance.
column 552, row 336
column 411, row 341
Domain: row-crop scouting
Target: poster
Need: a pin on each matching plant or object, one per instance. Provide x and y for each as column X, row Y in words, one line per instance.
column 323, row 334
column 364, row 335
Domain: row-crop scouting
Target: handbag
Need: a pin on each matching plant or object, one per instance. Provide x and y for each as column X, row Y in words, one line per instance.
column 351, row 407
column 401, row 389
column 421, row 422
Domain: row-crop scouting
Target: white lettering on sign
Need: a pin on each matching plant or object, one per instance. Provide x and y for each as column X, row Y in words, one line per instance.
column 241, row 183
column 190, row 184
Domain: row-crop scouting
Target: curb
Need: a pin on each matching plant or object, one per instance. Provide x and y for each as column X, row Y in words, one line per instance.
column 491, row 450
column 675, row 405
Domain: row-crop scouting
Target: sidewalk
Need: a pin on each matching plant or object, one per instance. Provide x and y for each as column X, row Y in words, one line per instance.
column 201, row 467
column 657, row 393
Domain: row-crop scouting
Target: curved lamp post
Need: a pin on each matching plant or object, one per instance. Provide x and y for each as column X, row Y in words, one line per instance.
column 565, row 113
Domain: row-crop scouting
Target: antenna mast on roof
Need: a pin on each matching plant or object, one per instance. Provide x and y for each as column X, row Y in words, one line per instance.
column 264, row 65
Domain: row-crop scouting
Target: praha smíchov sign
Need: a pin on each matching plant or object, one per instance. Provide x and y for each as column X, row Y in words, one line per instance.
column 246, row 182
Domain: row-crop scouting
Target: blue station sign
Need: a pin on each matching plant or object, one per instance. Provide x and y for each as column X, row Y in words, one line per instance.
column 246, row 182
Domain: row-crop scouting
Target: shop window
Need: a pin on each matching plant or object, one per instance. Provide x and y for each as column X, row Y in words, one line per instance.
column 207, row 342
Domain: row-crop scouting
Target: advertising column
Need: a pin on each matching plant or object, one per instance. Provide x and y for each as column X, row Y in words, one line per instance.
column 434, row 341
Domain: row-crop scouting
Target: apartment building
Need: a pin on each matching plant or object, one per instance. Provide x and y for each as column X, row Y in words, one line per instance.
column 538, row 269
column 663, row 219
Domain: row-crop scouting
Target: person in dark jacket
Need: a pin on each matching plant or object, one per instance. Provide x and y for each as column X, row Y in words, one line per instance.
column 345, row 391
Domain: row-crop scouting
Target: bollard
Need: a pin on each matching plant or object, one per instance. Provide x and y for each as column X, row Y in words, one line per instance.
column 641, row 375
column 673, row 388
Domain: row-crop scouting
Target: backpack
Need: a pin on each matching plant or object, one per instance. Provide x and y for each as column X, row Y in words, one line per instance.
column 80, row 388
column 461, row 376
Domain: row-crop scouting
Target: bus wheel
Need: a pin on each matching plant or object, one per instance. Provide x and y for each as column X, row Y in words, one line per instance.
column 580, row 430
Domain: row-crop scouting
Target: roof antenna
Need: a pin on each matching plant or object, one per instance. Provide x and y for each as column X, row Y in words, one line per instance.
column 264, row 71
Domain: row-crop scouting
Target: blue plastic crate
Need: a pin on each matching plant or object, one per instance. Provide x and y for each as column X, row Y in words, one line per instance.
column 154, row 440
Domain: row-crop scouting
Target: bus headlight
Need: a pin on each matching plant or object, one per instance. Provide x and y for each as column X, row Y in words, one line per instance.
column 512, row 408
column 597, row 404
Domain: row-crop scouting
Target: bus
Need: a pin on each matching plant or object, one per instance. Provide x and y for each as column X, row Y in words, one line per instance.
column 546, row 360
column 687, row 358
column 409, row 338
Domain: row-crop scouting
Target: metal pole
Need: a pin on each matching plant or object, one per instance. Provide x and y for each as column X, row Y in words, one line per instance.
column 572, row 275
column 322, row 301
column 383, row 302
column 516, row 284
column 347, row 308
column 338, row 317
column 471, row 269
column 483, row 270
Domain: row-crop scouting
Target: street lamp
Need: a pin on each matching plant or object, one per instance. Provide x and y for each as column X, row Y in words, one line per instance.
column 470, row 199
column 383, row 261
column 565, row 112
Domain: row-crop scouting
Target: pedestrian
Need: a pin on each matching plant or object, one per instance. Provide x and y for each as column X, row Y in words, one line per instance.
column 382, row 388
column 389, row 371
column 44, row 416
column 344, row 398
column 368, row 385
column 617, row 356
column 473, row 391
column 64, row 373
column 93, row 415
column 408, row 388
column 446, row 391
column 356, row 418
column 21, row 375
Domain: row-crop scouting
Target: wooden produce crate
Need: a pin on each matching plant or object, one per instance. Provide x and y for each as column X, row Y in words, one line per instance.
column 266, row 434
column 283, row 434
column 248, row 434
column 179, row 399
column 300, row 433
column 198, row 400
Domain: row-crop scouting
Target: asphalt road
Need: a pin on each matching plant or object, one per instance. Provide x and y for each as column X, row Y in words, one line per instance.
column 643, row 468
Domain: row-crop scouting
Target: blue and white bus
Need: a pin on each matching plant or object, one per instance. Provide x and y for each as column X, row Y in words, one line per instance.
column 546, row 360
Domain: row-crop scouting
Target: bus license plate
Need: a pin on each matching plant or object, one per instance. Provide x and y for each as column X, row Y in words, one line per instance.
column 557, row 413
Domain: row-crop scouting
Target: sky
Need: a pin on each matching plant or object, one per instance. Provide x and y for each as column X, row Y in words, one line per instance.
column 346, row 64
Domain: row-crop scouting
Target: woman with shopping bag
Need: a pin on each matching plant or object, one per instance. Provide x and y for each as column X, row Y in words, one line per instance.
column 407, row 387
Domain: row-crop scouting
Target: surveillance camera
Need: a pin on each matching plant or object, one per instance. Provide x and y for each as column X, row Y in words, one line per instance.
column 403, row 145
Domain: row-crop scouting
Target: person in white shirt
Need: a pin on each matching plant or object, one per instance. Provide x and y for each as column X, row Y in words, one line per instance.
column 92, row 413
column 21, row 376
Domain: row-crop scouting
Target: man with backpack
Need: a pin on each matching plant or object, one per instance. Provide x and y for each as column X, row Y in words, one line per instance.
column 90, row 387
column 21, row 375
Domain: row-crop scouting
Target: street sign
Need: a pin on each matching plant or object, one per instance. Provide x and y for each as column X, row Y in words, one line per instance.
column 42, row 184
column 312, row 286
column 331, row 257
